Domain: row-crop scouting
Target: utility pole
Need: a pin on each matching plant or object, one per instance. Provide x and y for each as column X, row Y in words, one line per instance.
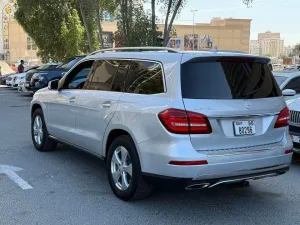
column 193, row 11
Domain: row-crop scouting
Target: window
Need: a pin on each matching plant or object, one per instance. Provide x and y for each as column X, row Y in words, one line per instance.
column 228, row 79
column 144, row 78
column 294, row 84
column 76, row 79
column 280, row 79
column 102, row 75
column 31, row 44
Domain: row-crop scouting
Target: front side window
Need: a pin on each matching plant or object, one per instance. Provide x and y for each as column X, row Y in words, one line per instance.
column 76, row 79
column 144, row 78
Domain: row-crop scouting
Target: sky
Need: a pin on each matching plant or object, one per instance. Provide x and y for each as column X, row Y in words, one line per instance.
column 274, row 15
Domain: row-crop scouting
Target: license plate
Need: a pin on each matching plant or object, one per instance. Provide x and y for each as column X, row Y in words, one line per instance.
column 26, row 85
column 295, row 139
column 244, row 127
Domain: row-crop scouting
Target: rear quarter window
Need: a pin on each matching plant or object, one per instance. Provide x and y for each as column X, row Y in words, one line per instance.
column 228, row 80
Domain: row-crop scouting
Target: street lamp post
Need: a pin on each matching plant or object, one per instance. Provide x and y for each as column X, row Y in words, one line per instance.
column 193, row 11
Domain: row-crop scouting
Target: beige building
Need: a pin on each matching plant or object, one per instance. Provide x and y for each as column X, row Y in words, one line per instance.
column 21, row 46
column 270, row 44
column 254, row 47
column 225, row 34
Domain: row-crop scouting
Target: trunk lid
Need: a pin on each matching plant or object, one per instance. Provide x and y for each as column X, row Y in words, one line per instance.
column 239, row 96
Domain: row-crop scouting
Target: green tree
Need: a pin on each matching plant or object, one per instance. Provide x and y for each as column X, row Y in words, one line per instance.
column 53, row 25
column 134, row 26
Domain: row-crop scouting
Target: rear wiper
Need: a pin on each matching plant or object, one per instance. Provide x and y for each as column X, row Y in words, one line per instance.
column 251, row 92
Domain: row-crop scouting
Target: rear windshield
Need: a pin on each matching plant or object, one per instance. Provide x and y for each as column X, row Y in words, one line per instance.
column 228, row 80
column 280, row 79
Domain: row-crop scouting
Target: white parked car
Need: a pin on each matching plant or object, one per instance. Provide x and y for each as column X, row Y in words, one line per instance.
column 10, row 80
column 201, row 118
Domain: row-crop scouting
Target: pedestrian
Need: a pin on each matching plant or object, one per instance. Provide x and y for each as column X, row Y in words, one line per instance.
column 21, row 67
column 0, row 71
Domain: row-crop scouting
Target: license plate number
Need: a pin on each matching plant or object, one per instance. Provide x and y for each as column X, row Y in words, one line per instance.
column 295, row 139
column 244, row 127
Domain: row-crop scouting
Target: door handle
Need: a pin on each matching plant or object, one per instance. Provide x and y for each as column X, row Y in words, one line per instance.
column 106, row 104
column 72, row 100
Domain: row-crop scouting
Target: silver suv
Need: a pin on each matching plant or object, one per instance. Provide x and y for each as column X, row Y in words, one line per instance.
column 202, row 118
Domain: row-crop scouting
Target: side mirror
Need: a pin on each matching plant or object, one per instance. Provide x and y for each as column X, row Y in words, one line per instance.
column 53, row 85
column 289, row 92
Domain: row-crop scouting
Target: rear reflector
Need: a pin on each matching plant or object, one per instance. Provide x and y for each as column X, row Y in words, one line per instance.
column 179, row 121
column 288, row 152
column 188, row 163
column 283, row 119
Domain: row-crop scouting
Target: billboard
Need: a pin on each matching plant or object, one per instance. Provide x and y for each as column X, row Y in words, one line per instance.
column 107, row 39
column 191, row 42
column 206, row 41
column 175, row 43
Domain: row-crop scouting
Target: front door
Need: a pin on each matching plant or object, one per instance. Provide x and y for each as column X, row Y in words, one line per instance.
column 62, row 106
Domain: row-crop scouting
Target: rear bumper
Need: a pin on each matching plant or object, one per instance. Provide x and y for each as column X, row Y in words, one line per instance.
column 155, row 160
column 191, row 184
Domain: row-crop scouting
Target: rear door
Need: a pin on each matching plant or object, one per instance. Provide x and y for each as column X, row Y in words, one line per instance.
column 239, row 96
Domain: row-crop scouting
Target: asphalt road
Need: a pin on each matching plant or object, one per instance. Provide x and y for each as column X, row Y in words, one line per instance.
column 70, row 187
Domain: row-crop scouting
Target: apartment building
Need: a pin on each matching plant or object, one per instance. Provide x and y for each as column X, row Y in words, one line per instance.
column 254, row 47
column 270, row 44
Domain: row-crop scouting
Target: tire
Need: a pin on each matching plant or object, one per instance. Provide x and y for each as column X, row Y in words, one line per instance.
column 137, row 188
column 45, row 144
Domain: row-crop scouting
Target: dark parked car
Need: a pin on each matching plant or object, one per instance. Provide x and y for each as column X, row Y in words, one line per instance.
column 41, row 68
column 40, row 78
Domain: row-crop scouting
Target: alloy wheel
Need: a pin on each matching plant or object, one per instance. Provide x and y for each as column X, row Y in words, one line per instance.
column 38, row 130
column 121, row 168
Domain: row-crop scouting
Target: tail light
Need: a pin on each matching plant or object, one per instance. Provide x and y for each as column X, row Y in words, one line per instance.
column 283, row 118
column 179, row 121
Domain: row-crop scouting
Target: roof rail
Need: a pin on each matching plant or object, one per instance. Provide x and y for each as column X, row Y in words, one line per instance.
column 135, row 48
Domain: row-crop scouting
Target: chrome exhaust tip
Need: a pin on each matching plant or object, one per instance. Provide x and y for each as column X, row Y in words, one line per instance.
column 197, row 186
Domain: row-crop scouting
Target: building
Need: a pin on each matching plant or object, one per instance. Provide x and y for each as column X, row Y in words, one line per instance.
column 270, row 44
column 15, row 44
column 288, row 50
column 226, row 34
column 254, row 47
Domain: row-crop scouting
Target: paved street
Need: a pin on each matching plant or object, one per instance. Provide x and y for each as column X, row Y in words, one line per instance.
column 70, row 187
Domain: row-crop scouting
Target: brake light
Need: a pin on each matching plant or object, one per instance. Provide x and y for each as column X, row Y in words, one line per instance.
column 283, row 118
column 179, row 121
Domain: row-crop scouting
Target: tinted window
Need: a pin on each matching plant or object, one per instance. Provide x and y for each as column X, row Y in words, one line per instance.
column 228, row 80
column 144, row 78
column 102, row 75
column 294, row 84
column 119, row 78
column 77, row 77
column 280, row 79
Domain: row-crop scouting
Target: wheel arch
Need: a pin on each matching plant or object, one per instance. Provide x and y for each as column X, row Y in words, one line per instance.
column 115, row 132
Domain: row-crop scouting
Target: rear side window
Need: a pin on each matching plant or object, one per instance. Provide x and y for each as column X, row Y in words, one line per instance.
column 102, row 75
column 228, row 80
column 144, row 77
